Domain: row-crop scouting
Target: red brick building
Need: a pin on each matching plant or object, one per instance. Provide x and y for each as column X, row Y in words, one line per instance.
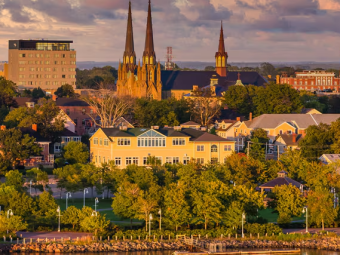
column 78, row 111
column 311, row 80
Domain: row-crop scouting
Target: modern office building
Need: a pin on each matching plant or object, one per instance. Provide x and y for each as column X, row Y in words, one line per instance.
column 47, row 64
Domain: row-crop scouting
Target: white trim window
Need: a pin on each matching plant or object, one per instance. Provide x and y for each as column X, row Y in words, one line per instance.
column 118, row 161
column 200, row 161
column 145, row 161
column 178, row 141
column 95, row 141
column 124, row 141
column 135, row 161
column 186, row 160
column 200, row 147
column 106, row 142
column 168, row 160
column 128, row 161
column 227, row 147
column 175, row 160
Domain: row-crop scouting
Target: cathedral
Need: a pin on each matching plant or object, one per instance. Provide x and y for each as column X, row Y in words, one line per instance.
column 149, row 81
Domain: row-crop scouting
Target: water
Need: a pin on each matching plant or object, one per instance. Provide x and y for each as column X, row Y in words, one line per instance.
column 303, row 252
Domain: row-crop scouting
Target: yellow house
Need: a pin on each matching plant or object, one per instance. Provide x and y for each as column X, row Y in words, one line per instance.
column 127, row 146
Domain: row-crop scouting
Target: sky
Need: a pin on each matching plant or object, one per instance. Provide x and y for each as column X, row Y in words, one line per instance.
column 255, row 30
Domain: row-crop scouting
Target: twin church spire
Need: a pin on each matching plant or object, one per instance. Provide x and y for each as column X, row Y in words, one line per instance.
column 149, row 55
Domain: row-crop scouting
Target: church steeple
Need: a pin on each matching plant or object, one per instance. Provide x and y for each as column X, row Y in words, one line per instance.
column 129, row 58
column 149, row 55
column 221, row 56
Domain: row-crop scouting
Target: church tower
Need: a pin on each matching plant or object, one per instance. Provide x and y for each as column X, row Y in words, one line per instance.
column 129, row 57
column 221, row 56
column 149, row 55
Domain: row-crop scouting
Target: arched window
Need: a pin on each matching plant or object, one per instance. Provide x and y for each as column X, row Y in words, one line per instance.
column 131, row 60
column 146, row 60
column 127, row 60
column 219, row 62
column 223, row 61
column 151, row 60
column 213, row 148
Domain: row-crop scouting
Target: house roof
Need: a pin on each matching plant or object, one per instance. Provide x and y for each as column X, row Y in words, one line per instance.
column 303, row 121
column 288, row 139
column 35, row 134
column 201, row 136
column 185, row 80
column 67, row 132
column 115, row 132
column 331, row 157
column 21, row 101
column 280, row 181
column 190, row 123
column 65, row 101
column 308, row 110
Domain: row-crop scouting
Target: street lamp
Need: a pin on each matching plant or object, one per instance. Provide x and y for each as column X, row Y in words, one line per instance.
column 305, row 210
column 96, row 201
column 68, row 195
column 243, row 218
column 58, row 211
column 94, row 213
column 150, row 219
column 9, row 213
column 86, row 191
column 30, row 187
column 160, row 219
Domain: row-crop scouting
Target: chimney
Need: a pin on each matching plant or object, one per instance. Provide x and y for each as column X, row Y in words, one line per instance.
column 177, row 128
column 251, row 116
column 35, row 127
column 54, row 97
column 3, row 127
column 155, row 127
column 238, row 119
column 195, row 87
column 294, row 138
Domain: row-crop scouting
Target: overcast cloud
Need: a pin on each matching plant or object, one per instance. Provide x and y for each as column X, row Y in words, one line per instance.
column 255, row 30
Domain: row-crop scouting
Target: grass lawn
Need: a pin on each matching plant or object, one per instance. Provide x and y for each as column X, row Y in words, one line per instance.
column 103, row 204
column 269, row 215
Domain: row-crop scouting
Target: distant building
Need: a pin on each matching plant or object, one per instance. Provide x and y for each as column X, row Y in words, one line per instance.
column 329, row 158
column 191, row 124
column 286, row 142
column 310, row 111
column 281, row 180
column 311, row 80
column 132, row 146
column 47, row 64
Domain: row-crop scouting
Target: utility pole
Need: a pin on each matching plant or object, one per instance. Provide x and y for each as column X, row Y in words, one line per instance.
column 265, row 157
column 278, row 152
column 248, row 149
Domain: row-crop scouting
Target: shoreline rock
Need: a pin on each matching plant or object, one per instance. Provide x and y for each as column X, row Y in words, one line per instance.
column 331, row 244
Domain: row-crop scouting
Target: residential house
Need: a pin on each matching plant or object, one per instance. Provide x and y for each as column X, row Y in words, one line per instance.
column 329, row 158
column 191, row 124
column 28, row 102
column 65, row 137
column 281, row 180
column 127, row 146
column 310, row 111
column 286, row 142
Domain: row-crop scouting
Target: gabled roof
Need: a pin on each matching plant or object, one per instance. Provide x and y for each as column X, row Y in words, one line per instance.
column 67, row 132
column 65, row 101
column 288, row 139
column 200, row 136
column 21, row 101
column 331, row 157
column 35, row 134
column 279, row 181
column 115, row 132
column 308, row 110
column 303, row 121
column 190, row 123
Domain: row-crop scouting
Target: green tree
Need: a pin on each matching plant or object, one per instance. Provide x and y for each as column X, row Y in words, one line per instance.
column 18, row 117
column 15, row 146
column 8, row 90
column 177, row 209
column 13, row 224
column 267, row 69
column 14, row 178
column 288, row 202
column 38, row 176
column 38, row 93
column 320, row 207
column 47, row 205
column 21, row 204
column 95, row 224
column 65, row 91
column 69, row 178
column 76, row 152
column 71, row 216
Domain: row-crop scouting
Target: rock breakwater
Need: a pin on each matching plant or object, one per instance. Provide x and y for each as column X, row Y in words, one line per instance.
column 332, row 244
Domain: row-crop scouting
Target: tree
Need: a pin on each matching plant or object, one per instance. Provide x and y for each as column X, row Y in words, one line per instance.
column 258, row 145
column 13, row 224
column 19, row 117
column 14, row 178
column 108, row 107
column 21, row 204
column 65, row 91
column 320, row 207
column 46, row 205
column 209, row 68
column 14, row 146
column 176, row 206
column 288, row 202
column 95, row 224
column 69, row 177
column 91, row 78
column 37, row 176
column 205, row 105
column 277, row 98
column 8, row 90
column 267, row 69
column 71, row 216
column 38, row 93
column 76, row 152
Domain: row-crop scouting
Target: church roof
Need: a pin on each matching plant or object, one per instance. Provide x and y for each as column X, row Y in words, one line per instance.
column 185, row 80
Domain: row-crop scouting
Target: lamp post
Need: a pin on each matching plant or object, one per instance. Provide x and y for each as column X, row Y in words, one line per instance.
column 30, row 187
column 9, row 213
column 94, row 214
column 96, row 201
column 160, row 219
column 150, row 219
column 86, row 191
column 243, row 218
column 58, row 211
column 305, row 210
column 68, row 195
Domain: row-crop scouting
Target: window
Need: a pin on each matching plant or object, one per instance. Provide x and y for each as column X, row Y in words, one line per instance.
column 21, row 69
column 227, row 147
column 214, row 160
column 56, row 55
column 128, row 161
column 281, row 132
column 57, row 148
column 83, row 122
column 135, row 161
column 186, row 160
column 22, row 55
column 151, row 139
column 200, row 161
column 83, row 111
column 159, row 159
column 99, row 160
column 75, row 121
column 63, row 55
column 95, row 141
column 178, row 141
column 168, row 160
column 63, row 76
column 200, row 147
column 103, row 159
column 47, row 62
column 175, row 160
column 96, row 159
column 106, row 142
column 118, row 161
column 124, row 141
column 56, row 62
column 145, row 161
column 73, row 62
column 213, row 148
column 100, row 141
column 289, row 132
